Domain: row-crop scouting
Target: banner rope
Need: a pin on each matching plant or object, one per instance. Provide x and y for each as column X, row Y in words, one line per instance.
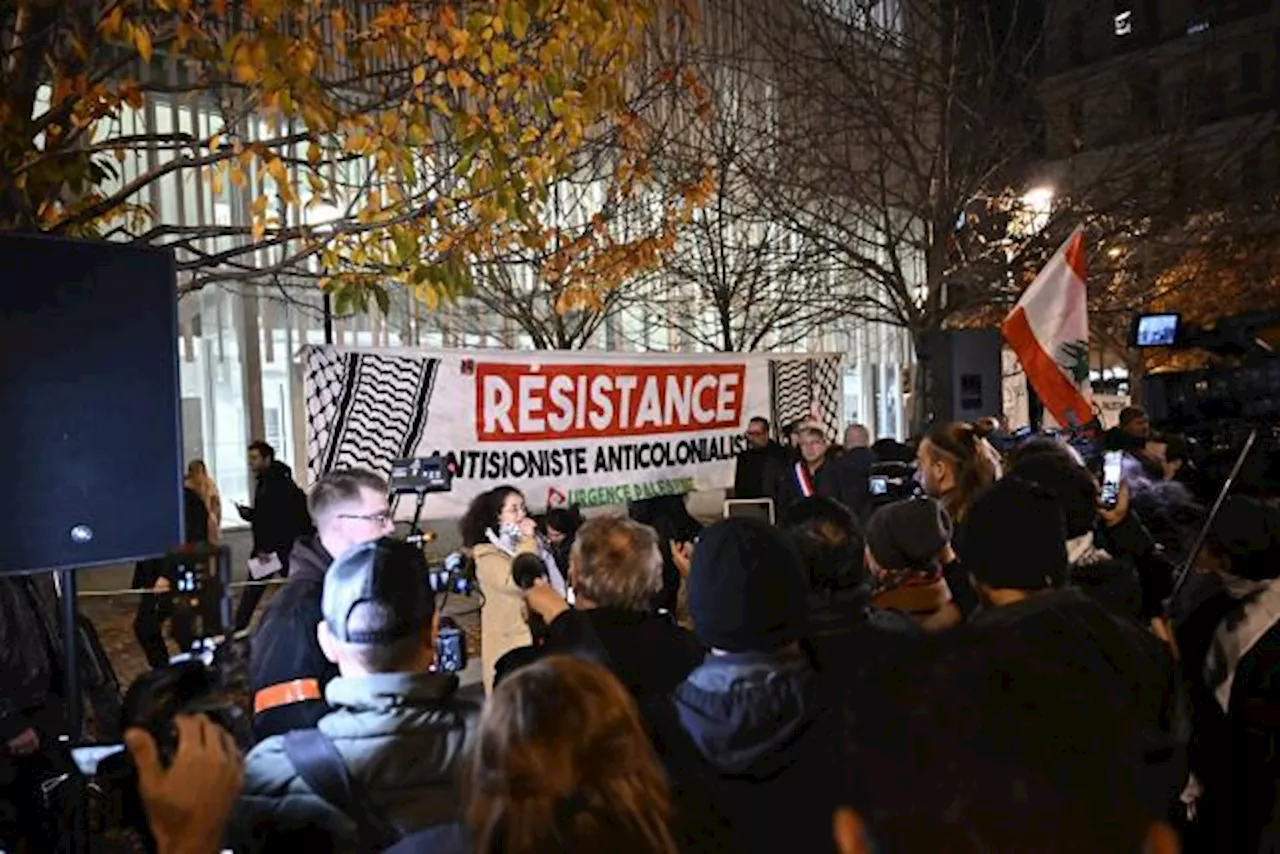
column 147, row 591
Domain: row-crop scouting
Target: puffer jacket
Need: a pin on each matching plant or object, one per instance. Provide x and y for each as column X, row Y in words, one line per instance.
column 502, row 617
column 749, row 745
column 284, row 646
column 402, row 736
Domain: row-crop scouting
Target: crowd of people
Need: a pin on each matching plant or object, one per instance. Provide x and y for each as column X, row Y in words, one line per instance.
column 998, row 663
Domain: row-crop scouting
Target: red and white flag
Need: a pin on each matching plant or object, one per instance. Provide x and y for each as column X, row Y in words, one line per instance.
column 1049, row 330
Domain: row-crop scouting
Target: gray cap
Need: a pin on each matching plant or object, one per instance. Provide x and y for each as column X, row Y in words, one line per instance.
column 390, row 576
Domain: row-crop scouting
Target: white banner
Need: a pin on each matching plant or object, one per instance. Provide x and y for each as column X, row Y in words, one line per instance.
column 564, row 427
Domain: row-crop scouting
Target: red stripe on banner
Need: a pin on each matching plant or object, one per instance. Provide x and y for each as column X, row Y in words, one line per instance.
column 1060, row 397
column 1074, row 253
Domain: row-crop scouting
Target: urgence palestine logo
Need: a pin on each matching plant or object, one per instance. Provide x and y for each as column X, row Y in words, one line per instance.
column 1073, row 358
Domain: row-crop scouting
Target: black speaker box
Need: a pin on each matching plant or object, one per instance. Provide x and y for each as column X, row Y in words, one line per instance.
column 967, row 372
column 89, row 404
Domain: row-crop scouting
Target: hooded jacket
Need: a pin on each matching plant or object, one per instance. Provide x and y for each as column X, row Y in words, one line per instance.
column 747, row 741
column 284, row 645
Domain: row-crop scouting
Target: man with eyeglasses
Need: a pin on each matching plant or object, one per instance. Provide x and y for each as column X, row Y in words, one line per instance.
column 760, row 464
column 287, row 668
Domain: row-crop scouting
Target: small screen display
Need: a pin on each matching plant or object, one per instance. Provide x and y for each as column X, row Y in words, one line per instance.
column 754, row 508
column 1157, row 330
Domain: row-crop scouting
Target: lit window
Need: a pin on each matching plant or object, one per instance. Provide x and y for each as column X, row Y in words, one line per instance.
column 1124, row 23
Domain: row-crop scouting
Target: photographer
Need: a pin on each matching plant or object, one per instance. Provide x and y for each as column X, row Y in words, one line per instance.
column 188, row 802
column 615, row 569
column 153, row 608
column 288, row 670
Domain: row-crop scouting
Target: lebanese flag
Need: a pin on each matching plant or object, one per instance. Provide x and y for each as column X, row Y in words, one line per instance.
column 1049, row 330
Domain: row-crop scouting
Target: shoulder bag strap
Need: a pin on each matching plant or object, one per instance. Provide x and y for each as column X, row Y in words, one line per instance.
column 321, row 767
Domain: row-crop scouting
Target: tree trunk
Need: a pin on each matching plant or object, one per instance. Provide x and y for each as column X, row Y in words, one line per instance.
column 929, row 386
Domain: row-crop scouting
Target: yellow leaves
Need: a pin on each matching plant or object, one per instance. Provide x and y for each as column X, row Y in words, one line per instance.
column 338, row 21
column 111, row 25
column 314, row 153
column 419, row 75
column 142, row 41
column 215, row 143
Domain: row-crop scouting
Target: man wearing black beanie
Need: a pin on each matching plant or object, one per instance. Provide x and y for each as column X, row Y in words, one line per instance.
column 746, row 738
column 1016, row 554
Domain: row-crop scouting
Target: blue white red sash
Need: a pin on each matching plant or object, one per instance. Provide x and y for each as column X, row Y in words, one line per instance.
column 804, row 480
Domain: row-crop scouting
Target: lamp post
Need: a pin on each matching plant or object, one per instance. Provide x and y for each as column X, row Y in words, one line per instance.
column 321, row 217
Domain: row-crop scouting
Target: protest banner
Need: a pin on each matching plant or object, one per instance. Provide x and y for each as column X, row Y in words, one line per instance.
column 565, row 427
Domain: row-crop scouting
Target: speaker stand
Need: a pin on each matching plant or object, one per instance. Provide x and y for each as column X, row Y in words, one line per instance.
column 77, row 839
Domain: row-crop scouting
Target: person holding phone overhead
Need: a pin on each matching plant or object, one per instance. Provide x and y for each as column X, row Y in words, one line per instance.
column 496, row 528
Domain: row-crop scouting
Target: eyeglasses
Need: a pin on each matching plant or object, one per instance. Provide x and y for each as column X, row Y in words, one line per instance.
column 382, row 517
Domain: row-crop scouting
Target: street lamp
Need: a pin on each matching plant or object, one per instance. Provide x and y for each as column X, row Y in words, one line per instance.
column 1037, row 204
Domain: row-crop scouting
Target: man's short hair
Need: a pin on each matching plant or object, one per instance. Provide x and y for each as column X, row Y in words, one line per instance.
column 1130, row 414
column 761, row 420
column 341, row 487
column 263, row 448
column 809, row 432
column 616, row 563
column 1072, row 485
column 829, row 541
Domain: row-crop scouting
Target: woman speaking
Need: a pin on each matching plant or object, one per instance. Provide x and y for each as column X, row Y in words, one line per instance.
column 496, row 528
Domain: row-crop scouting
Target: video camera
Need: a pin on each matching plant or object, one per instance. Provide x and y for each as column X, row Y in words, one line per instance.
column 205, row 679
column 891, row 481
column 420, row 477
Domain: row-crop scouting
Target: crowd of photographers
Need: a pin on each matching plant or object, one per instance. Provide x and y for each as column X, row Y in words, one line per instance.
column 979, row 657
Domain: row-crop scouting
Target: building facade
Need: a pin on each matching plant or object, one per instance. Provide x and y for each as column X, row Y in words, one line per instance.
column 239, row 347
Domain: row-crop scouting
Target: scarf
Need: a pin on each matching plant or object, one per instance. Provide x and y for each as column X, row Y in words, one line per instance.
column 1258, row 611
column 804, row 480
column 508, row 539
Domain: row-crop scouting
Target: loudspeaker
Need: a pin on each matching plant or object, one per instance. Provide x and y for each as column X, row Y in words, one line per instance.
column 89, row 404
column 966, row 370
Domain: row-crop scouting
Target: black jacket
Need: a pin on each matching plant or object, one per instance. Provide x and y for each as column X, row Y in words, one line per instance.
column 830, row 481
column 648, row 653
column 30, row 652
column 750, row 748
column 284, row 645
column 279, row 513
column 851, row 639
column 758, row 470
column 855, row 477
column 1236, row 753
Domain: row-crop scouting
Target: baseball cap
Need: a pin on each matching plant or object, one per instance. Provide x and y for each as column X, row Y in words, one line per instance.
column 377, row 593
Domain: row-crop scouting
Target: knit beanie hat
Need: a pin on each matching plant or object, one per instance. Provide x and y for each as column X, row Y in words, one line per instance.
column 747, row 588
column 1015, row 537
column 908, row 534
